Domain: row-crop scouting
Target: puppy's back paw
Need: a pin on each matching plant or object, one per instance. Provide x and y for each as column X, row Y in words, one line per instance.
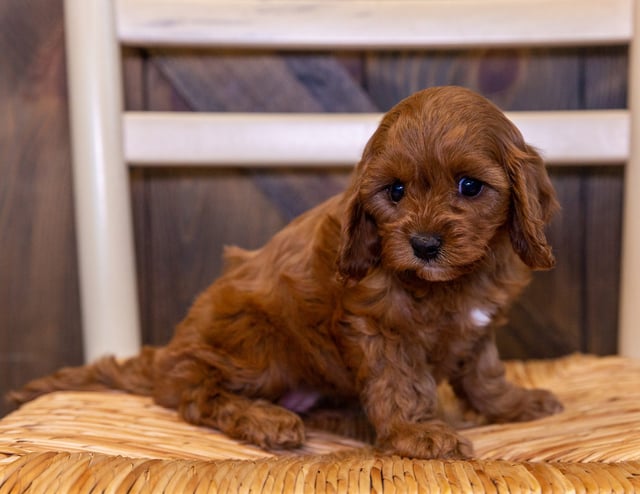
column 538, row 403
column 259, row 422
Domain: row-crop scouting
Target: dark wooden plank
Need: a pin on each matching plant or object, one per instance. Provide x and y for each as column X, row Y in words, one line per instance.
column 603, row 214
column 263, row 82
column 39, row 308
column 133, row 73
column 606, row 78
column 513, row 79
column 213, row 81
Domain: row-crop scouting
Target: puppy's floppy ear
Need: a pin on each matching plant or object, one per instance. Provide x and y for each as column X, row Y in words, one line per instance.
column 533, row 203
column 360, row 246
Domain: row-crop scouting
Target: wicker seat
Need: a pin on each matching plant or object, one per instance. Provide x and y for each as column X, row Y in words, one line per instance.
column 99, row 442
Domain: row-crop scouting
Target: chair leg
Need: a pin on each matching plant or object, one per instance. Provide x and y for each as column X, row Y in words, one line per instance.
column 101, row 183
column 629, row 325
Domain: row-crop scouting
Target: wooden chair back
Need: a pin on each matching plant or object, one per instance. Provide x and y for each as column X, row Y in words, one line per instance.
column 106, row 139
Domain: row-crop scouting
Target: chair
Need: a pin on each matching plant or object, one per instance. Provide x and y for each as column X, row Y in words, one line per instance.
column 105, row 139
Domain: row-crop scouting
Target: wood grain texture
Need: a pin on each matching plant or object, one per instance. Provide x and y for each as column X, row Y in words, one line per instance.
column 606, row 86
column 521, row 79
column 602, row 192
column 39, row 307
column 559, row 313
column 379, row 25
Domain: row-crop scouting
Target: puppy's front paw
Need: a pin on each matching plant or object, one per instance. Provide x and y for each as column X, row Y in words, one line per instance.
column 537, row 403
column 426, row 440
column 269, row 426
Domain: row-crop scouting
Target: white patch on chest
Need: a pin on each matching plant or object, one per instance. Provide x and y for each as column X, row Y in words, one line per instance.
column 480, row 317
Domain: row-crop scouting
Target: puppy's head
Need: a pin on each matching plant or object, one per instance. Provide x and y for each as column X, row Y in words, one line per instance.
column 443, row 174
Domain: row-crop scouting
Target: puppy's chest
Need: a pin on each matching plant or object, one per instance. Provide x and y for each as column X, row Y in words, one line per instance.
column 443, row 328
column 438, row 322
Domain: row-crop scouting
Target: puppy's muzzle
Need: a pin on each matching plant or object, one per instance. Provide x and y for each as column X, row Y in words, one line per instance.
column 426, row 246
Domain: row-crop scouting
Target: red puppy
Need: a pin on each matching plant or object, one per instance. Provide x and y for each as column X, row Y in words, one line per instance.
column 375, row 295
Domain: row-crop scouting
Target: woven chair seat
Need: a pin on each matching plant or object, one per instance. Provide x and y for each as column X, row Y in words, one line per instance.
column 114, row 442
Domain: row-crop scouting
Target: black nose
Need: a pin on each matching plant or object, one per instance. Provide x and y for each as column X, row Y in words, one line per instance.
column 426, row 246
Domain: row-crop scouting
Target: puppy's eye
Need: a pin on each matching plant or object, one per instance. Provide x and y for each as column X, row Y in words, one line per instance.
column 396, row 191
column 469, row 187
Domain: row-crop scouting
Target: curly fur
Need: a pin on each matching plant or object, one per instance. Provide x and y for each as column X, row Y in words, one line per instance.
column 340, row 304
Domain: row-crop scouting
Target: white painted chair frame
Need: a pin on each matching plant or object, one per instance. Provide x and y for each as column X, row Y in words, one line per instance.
column 105, row 139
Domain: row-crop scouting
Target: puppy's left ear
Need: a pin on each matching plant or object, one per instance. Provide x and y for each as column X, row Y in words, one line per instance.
column 533, row 203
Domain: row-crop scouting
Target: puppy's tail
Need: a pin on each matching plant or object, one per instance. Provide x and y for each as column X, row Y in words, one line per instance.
column 134, row 375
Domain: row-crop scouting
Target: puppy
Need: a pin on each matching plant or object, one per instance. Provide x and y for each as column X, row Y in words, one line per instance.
column 374, row 296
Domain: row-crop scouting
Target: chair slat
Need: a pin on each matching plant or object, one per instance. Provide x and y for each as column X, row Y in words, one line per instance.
column 377, row 24
column 249, row 139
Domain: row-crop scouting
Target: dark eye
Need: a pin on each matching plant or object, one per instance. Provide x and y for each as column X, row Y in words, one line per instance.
column 396, row 191
column 469, row 187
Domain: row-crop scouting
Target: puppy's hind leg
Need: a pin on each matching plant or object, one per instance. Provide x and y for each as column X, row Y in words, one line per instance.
column 260, row 422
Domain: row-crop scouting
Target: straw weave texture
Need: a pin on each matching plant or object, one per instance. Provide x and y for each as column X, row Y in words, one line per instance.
column 112, row 442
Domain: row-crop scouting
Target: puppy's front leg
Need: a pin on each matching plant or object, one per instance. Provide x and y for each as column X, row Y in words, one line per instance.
column 483, row 384
column 399, row 398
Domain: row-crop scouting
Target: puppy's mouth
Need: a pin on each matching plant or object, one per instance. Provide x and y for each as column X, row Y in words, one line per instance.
column 432, row 271
column 432, row 261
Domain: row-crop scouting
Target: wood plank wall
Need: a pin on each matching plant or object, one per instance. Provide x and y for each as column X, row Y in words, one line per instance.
column 39, row 308
column 183, row 217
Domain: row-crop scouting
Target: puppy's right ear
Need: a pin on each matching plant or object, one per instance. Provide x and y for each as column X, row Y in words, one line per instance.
column 359, row 243
column 360, row 246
